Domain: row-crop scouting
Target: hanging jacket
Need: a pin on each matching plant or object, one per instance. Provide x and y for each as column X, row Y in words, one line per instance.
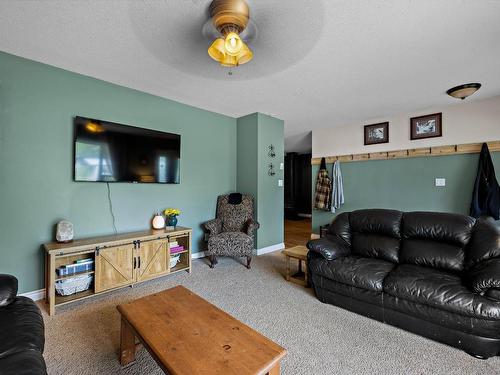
column 486, row 194
column 337, row 187
column 323, row 192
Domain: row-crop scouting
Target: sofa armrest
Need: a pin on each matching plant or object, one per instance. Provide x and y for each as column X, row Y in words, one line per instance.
column 251, row 226
column 8, row 289
column 485, row 276
column 213, row 226
column 329, row 247
column 493, row 294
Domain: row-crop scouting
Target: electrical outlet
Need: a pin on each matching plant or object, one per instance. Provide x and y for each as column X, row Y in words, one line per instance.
column 440, row 182
column 280, row 183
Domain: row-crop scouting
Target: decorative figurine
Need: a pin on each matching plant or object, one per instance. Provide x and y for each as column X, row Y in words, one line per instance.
column 64, row 232
column 158, row 221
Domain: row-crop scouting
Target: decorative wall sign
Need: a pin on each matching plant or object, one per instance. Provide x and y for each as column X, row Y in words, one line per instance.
column 377, row 133
column 271, row 152
column 427, row 126
column 271, row 171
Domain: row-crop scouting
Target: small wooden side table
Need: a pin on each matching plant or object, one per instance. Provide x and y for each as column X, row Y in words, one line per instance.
column 299, row 253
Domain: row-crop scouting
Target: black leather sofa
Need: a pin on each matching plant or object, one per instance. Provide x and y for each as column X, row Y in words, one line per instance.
column 21, row 332
column 434, row 274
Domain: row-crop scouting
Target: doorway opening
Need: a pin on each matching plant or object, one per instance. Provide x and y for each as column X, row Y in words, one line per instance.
column 298, row 199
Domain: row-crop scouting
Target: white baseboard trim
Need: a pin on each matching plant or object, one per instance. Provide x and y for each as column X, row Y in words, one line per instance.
column 198, row 255
column 35, row 295
column 270, row 249
column 314, row 236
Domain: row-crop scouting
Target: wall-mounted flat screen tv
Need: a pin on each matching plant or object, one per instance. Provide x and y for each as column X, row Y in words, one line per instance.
column 109, row 152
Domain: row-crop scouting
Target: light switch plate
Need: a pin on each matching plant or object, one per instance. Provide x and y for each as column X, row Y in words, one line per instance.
column 280, row 183
column 281, row 166
column 440, row 182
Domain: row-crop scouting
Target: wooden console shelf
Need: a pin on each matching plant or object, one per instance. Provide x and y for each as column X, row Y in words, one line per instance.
column 119, row 260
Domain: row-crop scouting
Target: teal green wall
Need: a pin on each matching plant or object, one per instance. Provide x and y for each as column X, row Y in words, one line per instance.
column 406, row 184
column 255, row 133
column 38, row 103
column 271, row 196
column 247, row 160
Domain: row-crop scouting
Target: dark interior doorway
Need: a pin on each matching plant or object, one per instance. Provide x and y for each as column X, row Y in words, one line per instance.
column 297, row 186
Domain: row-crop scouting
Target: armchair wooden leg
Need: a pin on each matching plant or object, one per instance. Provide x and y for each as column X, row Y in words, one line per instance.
column 249, row 260
column 213, row 260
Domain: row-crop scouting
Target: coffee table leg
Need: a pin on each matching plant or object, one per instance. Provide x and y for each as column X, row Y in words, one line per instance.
column 275, row 370
column 127, row 344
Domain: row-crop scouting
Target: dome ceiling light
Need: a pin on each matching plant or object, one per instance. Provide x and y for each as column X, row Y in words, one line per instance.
column 463, row 91
column 230, row 18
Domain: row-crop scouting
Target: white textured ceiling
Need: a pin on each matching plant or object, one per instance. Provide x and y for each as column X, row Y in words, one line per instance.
column 317, row 63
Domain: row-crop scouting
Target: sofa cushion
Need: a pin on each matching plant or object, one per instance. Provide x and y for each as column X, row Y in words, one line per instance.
column 231, row 243
column 29, row 362
column 340, row 227
column 376, row 246
column 21, row 327
column 440, row 289
column 438, row 226
column 376, row 233
column 367, row 273
column 472, row 325
column 350, row 291
column 378, row 221
column 434, row 254
column 436, row 239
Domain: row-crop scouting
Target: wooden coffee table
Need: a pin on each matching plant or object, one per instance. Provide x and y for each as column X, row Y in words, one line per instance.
column 187, row 335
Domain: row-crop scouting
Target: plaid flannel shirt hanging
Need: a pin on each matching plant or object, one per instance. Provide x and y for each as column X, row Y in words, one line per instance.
column 323, row 195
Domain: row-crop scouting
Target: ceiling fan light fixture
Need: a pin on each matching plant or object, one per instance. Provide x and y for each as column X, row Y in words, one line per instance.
column 463, row 91
column 233, row 44
column 230, row 18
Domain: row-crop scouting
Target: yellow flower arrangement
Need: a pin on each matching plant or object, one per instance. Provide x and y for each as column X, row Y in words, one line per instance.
column 172, row 212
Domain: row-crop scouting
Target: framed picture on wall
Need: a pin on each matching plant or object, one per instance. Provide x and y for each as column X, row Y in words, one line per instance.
column 377, row 133
column 427, row 126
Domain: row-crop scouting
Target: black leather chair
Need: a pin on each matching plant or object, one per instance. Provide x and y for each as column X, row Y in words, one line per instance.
column 434, row 274
column 21, row 332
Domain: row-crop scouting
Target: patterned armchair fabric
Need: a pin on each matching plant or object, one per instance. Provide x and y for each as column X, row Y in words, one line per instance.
column 232, row 232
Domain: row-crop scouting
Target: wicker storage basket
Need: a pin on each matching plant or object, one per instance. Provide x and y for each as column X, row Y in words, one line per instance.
column 73, row 285
column 174, row 259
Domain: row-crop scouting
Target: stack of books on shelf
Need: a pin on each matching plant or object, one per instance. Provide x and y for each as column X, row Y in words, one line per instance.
column 80, row 265
column 175, row 247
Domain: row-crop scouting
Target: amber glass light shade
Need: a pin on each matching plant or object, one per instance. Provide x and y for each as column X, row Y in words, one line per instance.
column 217, row 50
column 229, row 61
column 233, row 44
column 245, row 55
column 230, row 58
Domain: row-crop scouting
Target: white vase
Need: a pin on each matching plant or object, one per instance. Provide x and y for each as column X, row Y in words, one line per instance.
column 158, row 222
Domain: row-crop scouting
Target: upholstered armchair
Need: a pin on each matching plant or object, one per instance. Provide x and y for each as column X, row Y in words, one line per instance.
column 232, row 232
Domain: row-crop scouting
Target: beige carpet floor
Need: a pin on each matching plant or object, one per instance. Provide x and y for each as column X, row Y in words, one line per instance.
column 83, row 338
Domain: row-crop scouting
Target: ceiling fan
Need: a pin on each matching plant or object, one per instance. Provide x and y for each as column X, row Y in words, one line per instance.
column 232, row 28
